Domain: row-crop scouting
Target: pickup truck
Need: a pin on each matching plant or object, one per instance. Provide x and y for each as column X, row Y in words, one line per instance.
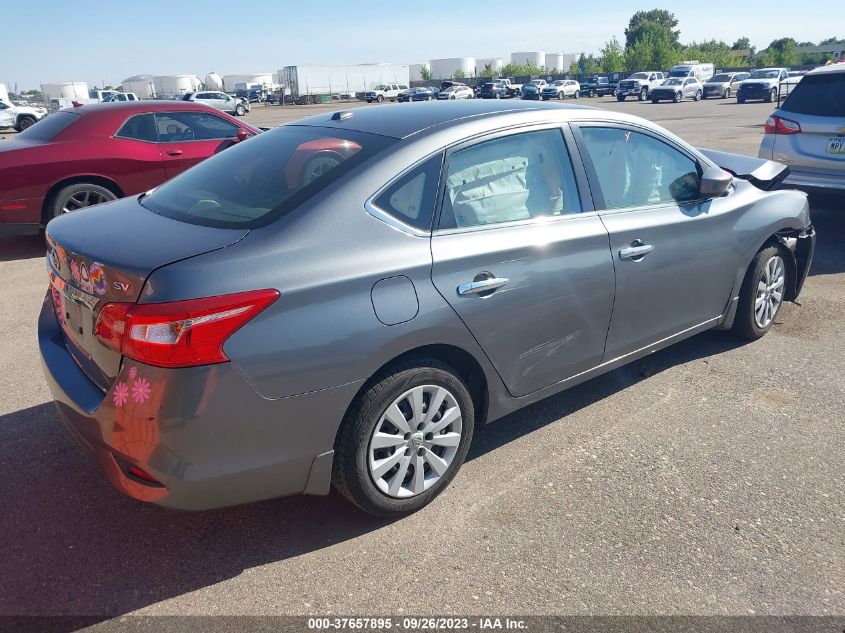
column 639, row 85
column 532, row 89
column 764, row 83
column 384, row 91
column 19, row 117
column 598, row 87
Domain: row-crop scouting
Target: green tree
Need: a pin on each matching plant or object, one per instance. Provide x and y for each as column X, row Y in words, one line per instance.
column 612, row 56
column 655, row 50
column 459, row 74
column 591, row 66
column 574, row 69
column 646, row 21
column 783, row 52
column 742, row 44
column 487, row 71
column 425, row 73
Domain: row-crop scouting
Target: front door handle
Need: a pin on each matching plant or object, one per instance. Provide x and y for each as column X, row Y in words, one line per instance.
column 482, row 285
column 174, row 152
column 636, row 251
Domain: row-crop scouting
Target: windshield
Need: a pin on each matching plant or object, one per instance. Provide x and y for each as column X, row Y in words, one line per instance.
column 673, row 82
column 816, row 95
column 639, row 76
column 49, row 127
column 380, row 87
column 765, row 74
column 679, row 72
column 262, row 179
column 559, row 82
column 720, row 79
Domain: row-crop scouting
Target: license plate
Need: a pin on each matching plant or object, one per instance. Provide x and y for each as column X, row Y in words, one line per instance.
column 74, row 310
column 836, row 145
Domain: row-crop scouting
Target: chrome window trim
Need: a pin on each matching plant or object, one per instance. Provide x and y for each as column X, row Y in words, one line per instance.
column 538, row 221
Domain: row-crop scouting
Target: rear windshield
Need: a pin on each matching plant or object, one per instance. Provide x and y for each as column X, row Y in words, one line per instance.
column 817, row 95
column 49, row 126
column 718, row 79
column 263, row 178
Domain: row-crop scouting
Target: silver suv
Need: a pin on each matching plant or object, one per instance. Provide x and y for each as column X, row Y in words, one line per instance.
column 219, row 100
column 807, row 131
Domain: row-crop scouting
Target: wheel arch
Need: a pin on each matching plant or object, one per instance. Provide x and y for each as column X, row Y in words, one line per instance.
column 102, row 181
column 464, row 363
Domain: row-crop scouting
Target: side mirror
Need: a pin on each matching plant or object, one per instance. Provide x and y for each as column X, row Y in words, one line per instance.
column 242, row 134
column 714, row 182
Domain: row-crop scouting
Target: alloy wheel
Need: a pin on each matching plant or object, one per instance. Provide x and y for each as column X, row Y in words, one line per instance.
column 415, row 441
column 85, row 198
column 769, row 292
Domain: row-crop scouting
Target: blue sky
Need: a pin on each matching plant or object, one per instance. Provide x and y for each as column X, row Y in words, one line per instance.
column 47, row 41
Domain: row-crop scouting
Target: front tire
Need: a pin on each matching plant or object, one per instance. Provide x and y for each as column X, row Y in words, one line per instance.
column 773, row 94
column 727, row 94
column 404, row 438
column 762, row 292
column 643, row 94
column 740, row 99
column 697, row 95
column 653, row 100
column 678, row 97
column 380, row 98
column 620, row 97
column 240, row 110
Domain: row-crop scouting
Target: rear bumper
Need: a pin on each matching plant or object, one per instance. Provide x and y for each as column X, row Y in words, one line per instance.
column 202, row 432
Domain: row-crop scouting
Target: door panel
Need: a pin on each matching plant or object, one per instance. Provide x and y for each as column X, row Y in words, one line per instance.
column 686, row 280
column 511, row 224
column 675, row 255
column 187, row 138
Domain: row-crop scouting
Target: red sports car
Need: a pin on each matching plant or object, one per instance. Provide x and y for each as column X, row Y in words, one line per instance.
column 94, row 153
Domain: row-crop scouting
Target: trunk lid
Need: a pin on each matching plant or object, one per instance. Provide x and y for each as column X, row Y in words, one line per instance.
column 104, row 254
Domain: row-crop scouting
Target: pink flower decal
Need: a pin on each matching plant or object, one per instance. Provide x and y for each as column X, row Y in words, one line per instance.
column 121, row 394
column 141, row 390
column 74, row 270
column 133, row 371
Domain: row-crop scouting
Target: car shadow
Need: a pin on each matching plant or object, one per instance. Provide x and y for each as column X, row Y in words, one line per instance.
column 14, row 247
column 73, row 545
column 827, row 212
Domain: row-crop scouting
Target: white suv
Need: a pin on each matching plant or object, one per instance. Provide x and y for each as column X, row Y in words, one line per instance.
column 384, row 91
column 219, row 100
column 19, row 117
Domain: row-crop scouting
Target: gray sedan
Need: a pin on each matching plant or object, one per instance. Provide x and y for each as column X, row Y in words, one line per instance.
column 677, row 89
column 345, row 299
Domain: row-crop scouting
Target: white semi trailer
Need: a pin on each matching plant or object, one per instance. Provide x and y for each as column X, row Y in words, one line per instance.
column 322, row 84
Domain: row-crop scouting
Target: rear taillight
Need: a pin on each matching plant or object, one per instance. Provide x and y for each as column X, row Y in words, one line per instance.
column 778, row 125
column 179, row 333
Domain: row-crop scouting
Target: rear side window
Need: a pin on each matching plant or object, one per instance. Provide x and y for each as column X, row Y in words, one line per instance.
column 49, row 127
column 258, row 181
column 817, row 95
column 193, row 126
column 140, row 127
column 411, row 198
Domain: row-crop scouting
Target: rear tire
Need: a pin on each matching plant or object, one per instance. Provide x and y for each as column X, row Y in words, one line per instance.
column 643, row 94
column 773, row 94
column 620, row 97
column 358, row 472
column 727, row 94
column 769, row 261
column 678, row 97
column 577, row 94
column 78, row 196
column 698, row 95
column 380, row 98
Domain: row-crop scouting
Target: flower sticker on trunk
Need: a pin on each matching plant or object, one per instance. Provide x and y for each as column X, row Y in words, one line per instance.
column 141, row 390
column 133, row 372
column 121, row 394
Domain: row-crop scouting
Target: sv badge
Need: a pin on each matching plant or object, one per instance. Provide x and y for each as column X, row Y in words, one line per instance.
column 123, row 286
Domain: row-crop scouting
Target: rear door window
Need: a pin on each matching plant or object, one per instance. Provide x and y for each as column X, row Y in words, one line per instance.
column 174, row 127
column 252, row 184
column 818, row 95
column 510, row 178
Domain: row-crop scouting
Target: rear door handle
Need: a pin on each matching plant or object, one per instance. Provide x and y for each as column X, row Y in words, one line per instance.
column 484, row 285
column 174, row 152
column 636, row 251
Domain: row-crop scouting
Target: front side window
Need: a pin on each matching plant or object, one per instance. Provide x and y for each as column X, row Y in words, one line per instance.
column 252, row 184
column 411, row 198
column 511, row 178
column 635, row 169
column 140, row 127
column 193, row 126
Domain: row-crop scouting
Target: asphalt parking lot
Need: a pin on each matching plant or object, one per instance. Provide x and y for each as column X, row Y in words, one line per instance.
column 706, row 479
